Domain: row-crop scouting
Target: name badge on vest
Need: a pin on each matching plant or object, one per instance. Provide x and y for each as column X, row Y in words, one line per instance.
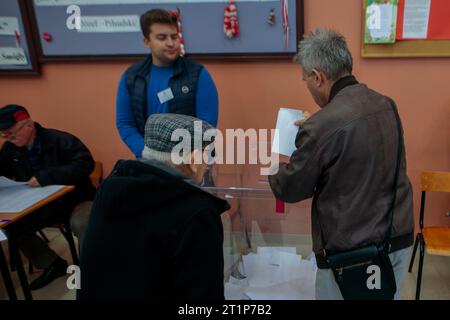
column 165, row 95
column 185, row 89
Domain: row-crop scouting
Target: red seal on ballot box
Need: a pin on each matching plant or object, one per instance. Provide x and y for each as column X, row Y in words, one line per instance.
column 279, row 206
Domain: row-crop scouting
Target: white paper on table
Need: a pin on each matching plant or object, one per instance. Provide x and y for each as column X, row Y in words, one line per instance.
column 5, row 182
column 16, row 198
column 12, row 56
column 387, row 12
column 9, row 26
column 109, row 24
column 415, row 21
column 286, row 131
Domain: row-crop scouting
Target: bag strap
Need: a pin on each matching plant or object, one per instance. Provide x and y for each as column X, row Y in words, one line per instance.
column 400, row 148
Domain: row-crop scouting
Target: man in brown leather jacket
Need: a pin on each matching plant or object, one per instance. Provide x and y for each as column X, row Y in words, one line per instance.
column 345, row 160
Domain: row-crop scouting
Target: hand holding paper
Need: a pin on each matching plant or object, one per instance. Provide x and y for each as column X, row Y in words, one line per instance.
column 306, row 116
column 286, row 131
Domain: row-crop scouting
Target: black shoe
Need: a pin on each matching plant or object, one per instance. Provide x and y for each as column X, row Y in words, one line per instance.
column 55, row 270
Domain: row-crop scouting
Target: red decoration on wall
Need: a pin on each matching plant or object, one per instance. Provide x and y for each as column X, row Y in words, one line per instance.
column 47, row 37
column 177, row 13
column 230, row 20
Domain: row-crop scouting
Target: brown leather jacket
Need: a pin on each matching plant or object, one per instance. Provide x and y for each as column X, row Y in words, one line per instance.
column 345, row 159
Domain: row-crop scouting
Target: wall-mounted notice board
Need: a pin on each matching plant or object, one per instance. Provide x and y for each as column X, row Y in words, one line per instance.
column 422, row 30
column 17, row 55
column 110, row 28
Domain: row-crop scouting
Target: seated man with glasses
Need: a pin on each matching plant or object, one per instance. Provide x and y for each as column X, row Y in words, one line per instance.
column 41, row 157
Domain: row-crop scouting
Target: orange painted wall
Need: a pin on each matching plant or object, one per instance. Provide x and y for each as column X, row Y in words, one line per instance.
column 80, row 97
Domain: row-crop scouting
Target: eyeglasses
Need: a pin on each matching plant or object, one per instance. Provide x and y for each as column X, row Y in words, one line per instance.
column 11, row 134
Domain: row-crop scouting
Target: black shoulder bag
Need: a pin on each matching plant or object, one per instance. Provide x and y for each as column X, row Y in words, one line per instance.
column 366, row 273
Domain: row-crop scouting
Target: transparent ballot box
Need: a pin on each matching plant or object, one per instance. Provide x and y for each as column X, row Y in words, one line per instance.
column 267, row 243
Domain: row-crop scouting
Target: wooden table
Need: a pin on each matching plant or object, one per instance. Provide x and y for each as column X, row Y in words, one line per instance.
column 17, row 216
column 12, row 217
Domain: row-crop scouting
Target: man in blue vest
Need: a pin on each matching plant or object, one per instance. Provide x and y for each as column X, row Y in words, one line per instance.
column 164, row 82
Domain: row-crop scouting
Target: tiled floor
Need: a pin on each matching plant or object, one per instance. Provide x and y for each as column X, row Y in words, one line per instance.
column 57, row 290
column 435, row 284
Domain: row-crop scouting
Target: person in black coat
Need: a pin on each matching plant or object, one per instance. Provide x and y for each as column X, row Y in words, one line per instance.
column 41, row 157
column 153, row 232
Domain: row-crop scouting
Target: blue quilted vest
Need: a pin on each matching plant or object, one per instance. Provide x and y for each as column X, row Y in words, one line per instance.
column 183, row 84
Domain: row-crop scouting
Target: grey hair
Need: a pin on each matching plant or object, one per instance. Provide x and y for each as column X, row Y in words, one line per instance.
column 325, row 50
column 165, row 157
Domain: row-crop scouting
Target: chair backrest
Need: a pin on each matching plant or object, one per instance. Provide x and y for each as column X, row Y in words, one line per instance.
column 97, row 174
column 435, row 181
column 432, row 181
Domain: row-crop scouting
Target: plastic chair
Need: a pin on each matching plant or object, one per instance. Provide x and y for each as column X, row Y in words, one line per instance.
column 434, row 239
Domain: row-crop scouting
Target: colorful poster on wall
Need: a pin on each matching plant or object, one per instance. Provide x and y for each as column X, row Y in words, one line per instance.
column 423, row 19
column 380, row 21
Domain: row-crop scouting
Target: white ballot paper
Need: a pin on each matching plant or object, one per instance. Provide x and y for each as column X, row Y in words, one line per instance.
column 273, row 273
column 286, row 131
column 18, row 196
column 5, row 182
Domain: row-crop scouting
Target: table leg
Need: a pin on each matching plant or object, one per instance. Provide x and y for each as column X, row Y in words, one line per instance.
column 15, row 254
column 6, row 276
